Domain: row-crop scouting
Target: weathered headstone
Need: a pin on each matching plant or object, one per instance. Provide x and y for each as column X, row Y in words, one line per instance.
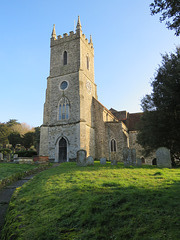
column 139, row 162
column 1, row 157
column 125, row 156
column 129, row 159
column 129, row 156
column 89, row 161
column 15, row 156
column 163, row 157
column 81, row 157
column 133, row 156
column 7, row 157
column 113, row 162
column 103, row 161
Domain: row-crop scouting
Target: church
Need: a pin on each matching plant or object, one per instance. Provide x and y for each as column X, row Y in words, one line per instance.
column 73, row 117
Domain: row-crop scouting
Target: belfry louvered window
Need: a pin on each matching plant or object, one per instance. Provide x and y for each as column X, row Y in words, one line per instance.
column 65, row 58
column 63, row 109
column 113, row 145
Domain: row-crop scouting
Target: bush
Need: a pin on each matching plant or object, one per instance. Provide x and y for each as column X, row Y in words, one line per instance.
column 29, row 153
column 5, row 151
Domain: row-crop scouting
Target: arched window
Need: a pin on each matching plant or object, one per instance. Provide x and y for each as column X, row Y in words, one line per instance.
column 113, row 145
column 65, row 58
column 63, row 109
column 87, row 60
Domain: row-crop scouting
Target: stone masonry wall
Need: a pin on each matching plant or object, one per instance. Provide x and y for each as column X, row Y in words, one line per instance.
column 70, row 133
column 105, row 132
column 139, row 149
column 44, row 146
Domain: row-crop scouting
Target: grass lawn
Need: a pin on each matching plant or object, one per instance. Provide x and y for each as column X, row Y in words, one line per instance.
column 97, row 202
column 9, row 169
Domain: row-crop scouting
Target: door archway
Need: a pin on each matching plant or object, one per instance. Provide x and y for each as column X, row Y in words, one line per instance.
column 154, row 161
column 62, row 150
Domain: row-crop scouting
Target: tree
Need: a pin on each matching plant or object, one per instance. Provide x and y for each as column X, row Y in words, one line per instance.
column 14, row 139
column 160, row 124
column 37, row 138
column 28, row 139
column 12, row 122
column 170, row 10
column 4, row 133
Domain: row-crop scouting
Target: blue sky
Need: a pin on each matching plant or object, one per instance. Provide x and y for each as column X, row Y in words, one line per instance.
column 128, row 43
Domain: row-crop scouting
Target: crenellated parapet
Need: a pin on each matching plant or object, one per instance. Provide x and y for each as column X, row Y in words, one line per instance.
column 56, row 40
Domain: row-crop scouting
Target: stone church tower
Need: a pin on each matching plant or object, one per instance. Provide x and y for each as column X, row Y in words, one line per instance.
column 68, row 114
column 73, row 117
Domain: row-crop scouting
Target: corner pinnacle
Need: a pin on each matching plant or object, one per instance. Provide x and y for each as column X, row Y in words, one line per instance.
column 53, row 35
column 90, row 39
column 78, row 24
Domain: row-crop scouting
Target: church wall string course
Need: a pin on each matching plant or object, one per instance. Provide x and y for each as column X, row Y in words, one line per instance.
column 73, row 117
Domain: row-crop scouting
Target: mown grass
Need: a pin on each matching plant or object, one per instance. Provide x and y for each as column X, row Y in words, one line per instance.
column 8, row 169
column 96, row 202
column 10, row 172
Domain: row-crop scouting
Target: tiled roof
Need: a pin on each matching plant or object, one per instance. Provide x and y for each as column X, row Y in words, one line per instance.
column 133, row 120
column 130, row 119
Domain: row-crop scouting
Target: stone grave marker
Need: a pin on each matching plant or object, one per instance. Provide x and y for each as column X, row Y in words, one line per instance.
column 139, row 162
column 163, row 157
column 90, row 161
column 81, row 157
column 103, row 161
column 129, row 157
column 133, row 156
column 113, row 162
column 1, row 157
column 125, row 156
column 15, row 156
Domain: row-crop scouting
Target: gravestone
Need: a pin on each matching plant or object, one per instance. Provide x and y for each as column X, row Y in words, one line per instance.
column 113, row 162
column 163, row 157
column 15, row 156
column 81, row 157
column 139, row 162
column 133, row 156
column 125, row 156
column 7, row 157
column 129, row 157
column 103, row 161
column 89, row 161
column 1, row 157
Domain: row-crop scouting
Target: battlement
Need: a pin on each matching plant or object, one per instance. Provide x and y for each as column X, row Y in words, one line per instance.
column 56, row 40
column 69, row 37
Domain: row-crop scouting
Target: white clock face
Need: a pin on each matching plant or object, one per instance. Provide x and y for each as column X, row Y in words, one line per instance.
column 88, row 86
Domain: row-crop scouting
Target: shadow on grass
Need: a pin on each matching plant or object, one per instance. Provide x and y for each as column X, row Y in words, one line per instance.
column 50, row 209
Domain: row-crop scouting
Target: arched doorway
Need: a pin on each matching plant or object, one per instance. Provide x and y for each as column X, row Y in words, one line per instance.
column 63, row 150
column 154, row 162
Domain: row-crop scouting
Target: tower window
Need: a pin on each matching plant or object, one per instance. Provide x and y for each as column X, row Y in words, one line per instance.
column 63, row 85
column 63, row 109
column 87, row 60
column 65, row 58
column 113, row 145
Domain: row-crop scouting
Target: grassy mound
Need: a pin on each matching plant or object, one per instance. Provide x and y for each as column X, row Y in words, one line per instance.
column 10, row 172
column 96, row 202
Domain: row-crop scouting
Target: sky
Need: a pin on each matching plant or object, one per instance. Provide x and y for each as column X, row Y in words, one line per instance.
column 128, row 43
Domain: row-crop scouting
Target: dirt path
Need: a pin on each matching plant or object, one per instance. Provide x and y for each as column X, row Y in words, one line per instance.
column 6, row 194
